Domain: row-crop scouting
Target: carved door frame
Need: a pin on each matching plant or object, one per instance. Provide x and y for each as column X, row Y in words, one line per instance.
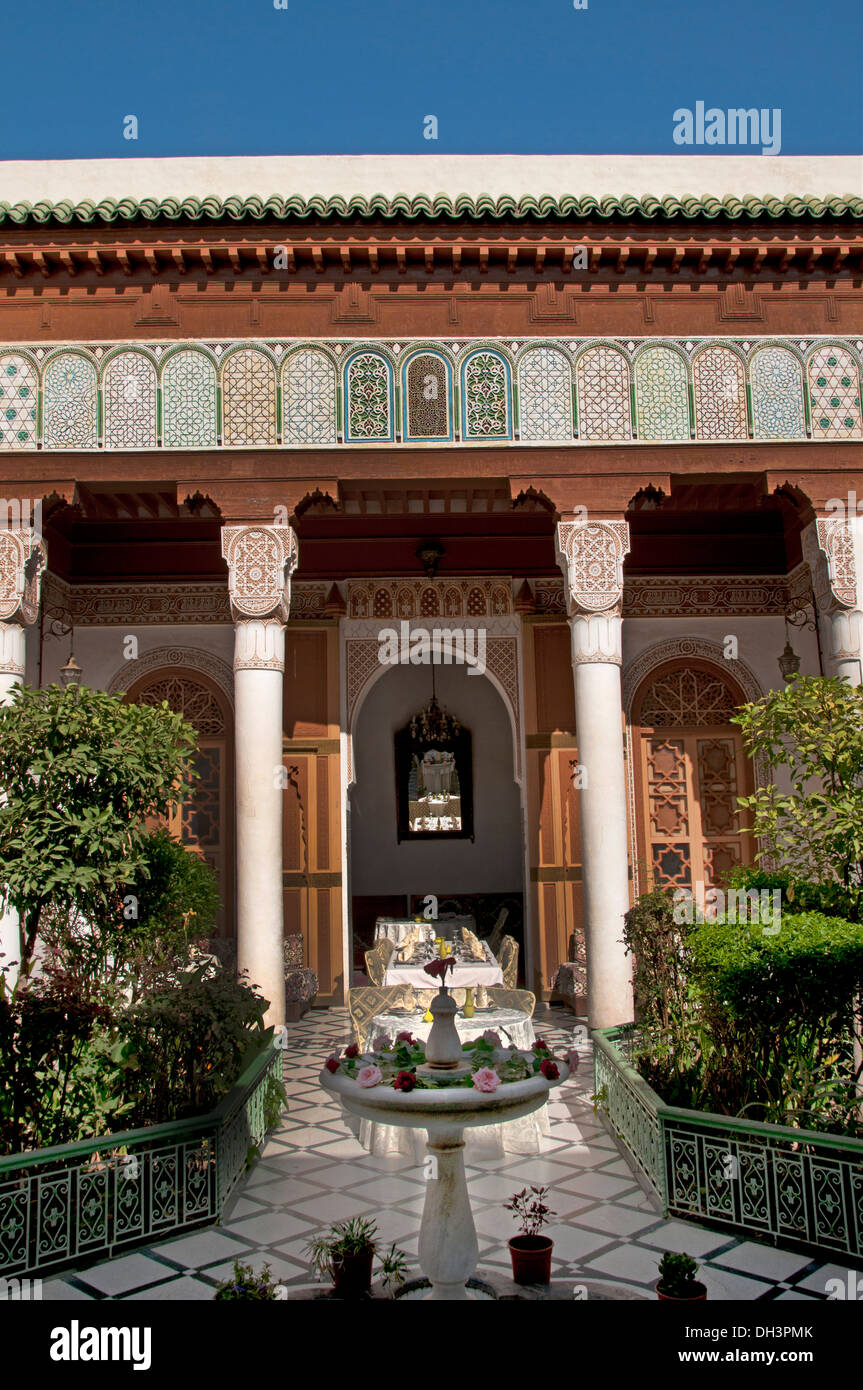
column 688, row 733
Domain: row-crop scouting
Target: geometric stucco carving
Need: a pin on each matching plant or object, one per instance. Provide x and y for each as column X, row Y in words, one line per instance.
column 836, row 541
column 176, row 658
column 590, row 554
column 22, row 563
column 261, row 560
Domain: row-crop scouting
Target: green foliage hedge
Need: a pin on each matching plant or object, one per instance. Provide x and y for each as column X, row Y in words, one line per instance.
column 811, row 969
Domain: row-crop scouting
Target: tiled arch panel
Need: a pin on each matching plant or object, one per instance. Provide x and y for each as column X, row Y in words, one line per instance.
column 298, row 394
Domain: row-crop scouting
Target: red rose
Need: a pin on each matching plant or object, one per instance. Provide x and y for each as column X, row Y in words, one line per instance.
column 352, row 1050
column 440, row 967
column 541, row 1045
column 404, row 1081
column 332, row 1064
column 404, row 1037
column 549, row 1069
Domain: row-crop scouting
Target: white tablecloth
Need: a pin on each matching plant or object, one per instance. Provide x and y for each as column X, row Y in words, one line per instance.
column 466, row 972
column 522, row 1136
column 397, row 928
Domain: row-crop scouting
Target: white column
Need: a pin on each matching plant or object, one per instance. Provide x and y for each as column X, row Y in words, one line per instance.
column 22, row 563
column 259, row 663
column 261, row 560
column 12, row 662
column 591, row 556
column 13, row 658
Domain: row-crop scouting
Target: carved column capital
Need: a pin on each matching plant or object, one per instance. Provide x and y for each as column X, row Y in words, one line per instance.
column 590, row 554
column 836, row 584
column 831, row 546
column 261, row 560
column 22, row 563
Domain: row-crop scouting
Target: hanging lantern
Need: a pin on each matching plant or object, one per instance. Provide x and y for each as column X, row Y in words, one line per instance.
column 789, row 661
column 71, row 674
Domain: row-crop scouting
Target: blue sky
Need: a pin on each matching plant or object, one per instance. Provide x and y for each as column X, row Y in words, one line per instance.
column 351, row 77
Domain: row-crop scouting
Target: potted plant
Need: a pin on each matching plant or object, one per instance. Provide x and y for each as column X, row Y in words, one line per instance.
column 530, row 1252
column 677, row 1282
column 347, row 1254
column 246, row 1282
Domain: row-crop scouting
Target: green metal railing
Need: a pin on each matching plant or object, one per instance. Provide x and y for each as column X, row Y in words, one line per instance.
column 78, row 1202
column 799, row 1186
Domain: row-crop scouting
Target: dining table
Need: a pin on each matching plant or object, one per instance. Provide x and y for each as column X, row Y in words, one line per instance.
column 521, row 1136
column 466, row 971
column 397, row 928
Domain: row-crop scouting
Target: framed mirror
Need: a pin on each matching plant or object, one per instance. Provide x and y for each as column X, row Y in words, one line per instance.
column 434, row 777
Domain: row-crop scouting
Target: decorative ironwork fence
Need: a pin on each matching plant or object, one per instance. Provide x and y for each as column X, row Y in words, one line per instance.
column 90, row 1200
column 798, row 1186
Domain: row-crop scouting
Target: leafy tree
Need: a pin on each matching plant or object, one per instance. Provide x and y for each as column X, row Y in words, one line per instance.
column 813, row 729
column 80, row 774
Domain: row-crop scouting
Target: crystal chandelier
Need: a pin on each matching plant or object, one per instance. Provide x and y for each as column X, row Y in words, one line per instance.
column 434, row 725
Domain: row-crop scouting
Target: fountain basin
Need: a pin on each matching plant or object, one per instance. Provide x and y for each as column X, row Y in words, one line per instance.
column 448, row 1249
column 443, row 1107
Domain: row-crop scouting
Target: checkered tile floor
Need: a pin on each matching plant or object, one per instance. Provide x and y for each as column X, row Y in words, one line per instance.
column 313, row 1172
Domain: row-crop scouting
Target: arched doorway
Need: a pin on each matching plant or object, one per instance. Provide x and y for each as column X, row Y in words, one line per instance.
column 203, row 821
column 479, row 875
column 690, row 768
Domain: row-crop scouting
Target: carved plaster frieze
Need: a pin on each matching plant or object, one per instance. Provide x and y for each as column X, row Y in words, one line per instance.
column 591, row 554
column 22, row 563
column 429, row 598
column 261, row 560
column 176, row 658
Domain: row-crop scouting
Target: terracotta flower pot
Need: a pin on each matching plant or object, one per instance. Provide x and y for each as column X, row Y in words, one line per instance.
column 698, row 1297
column 531, row 1259
column 352, row 1276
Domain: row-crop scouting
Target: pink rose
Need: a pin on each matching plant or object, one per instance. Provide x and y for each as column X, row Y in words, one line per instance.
column 490, row 1036
column 572, row 1058
column 404, row 1037
column 486, row 1079
column 381, row 1043
column 369, row 1076
column 332, row 1064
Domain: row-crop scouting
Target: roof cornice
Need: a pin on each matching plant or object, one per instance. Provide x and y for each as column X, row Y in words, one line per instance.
column 422, row 208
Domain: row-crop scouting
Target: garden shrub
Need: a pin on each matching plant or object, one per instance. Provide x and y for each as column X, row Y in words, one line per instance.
column 813, row 728
column 832, row 899
column 183, row 1047
column 105, row 1027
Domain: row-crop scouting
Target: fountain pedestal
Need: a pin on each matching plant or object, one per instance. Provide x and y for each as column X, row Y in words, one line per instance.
column 448, row 1249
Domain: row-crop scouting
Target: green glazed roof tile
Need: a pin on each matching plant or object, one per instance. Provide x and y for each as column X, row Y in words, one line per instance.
column 441, row 207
